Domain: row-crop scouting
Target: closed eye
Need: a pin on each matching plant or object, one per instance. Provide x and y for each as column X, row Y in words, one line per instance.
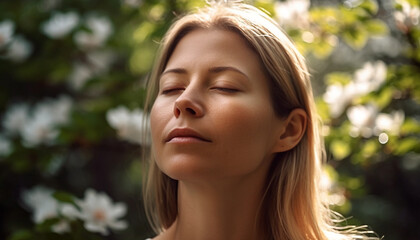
column 226, row 90
column 171, row 90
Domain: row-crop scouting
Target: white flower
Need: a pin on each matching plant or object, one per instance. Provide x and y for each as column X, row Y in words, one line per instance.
column 131, row 126
column 370, row 77
column 58, row 110
column 100, row 60
column 362, row 118
column 389, row 122
column 337, row 97
column 409, row 15
column 39, row 130
column 293, row 13
column 80, row 75
column 44, row 206
column 5, row 146
column 63, row 226
column 367, row 79
column 98, row 212
column 132, row 3
column 7, row 28
column 60, row 24
column 16, row 118
column 40, row 126
column 101, row 29
column 39, row 199
column 19, row 49
column 98, row 63
column 62, row 109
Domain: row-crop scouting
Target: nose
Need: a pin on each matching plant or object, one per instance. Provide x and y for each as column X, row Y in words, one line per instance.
column 188, row 104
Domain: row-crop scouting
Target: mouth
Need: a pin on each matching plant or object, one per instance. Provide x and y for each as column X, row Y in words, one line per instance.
column 185, row 134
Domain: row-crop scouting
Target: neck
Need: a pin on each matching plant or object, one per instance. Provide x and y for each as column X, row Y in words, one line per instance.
column 223, row 210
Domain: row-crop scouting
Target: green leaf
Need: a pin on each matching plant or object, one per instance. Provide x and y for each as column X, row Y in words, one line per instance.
column 326, row 19
column 338, row 77
column 63, row 197
column 355, row 37
column 370, row 148
column 407, row 145
column 143, row 31
column 376, row 27
column 331, row 172
column 384, row 98
column 266, row 5
column 21, row 235
column 340, row 149
column 142, row 58
column 322, row 48
column 370, row 6
column 344, row 209
column 410, row 126
column 46, row 225
column 354, row 183
column 323, row 110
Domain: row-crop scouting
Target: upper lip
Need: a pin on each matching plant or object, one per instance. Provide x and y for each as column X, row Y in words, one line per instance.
column 185, row 132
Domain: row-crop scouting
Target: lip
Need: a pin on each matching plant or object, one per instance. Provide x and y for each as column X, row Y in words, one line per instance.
column 185, row 135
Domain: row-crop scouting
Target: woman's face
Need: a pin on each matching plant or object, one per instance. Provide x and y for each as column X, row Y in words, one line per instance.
column 213, row 116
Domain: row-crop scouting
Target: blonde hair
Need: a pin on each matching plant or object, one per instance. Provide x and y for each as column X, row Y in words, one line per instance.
column 292, row 207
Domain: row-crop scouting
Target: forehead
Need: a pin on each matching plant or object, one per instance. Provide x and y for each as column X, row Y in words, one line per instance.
column 214, row 46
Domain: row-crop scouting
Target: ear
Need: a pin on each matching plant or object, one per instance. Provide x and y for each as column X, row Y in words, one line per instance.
column 292, row 130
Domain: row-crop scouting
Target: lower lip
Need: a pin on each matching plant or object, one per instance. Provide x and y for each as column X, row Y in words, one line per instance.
column 186, row 140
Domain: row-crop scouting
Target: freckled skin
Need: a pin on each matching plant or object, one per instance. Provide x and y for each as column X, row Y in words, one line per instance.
column 229, row 106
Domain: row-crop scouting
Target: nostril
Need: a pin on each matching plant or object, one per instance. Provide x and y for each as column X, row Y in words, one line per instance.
column 177, row 112
column 188, row 108
column 191, row 111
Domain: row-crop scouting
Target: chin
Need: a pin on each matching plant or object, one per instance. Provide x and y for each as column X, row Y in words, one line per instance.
column 187, row 168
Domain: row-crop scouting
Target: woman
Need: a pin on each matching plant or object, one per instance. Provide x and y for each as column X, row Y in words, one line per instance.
column 236, row 151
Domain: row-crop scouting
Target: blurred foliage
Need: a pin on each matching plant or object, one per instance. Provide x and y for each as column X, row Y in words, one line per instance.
column 364, row 56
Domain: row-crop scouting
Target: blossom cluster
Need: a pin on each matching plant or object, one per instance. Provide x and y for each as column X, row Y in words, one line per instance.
column 37, row 125
column 408, row 17
column 132, row 126
column 14, row 47
column 293, row 13
column 367, row 79
column 96, row 210
column 90, row 33
column 62, row 24
column 366, row 120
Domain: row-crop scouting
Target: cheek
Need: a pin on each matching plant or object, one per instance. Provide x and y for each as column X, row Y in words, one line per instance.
column 245, row 141
column 248, row 127
column 158, row 118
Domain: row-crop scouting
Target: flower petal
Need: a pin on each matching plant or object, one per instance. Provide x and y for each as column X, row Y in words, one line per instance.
column 118, row 225
column 90, row 226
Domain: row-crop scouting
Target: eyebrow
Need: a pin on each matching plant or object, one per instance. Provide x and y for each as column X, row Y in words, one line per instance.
column 174, row 70
column 227, row 68
column 211, row 70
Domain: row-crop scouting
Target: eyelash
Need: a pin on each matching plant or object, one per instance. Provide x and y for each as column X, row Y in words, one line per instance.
column 171, row 90
column 222, row 89
column 227, row 90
